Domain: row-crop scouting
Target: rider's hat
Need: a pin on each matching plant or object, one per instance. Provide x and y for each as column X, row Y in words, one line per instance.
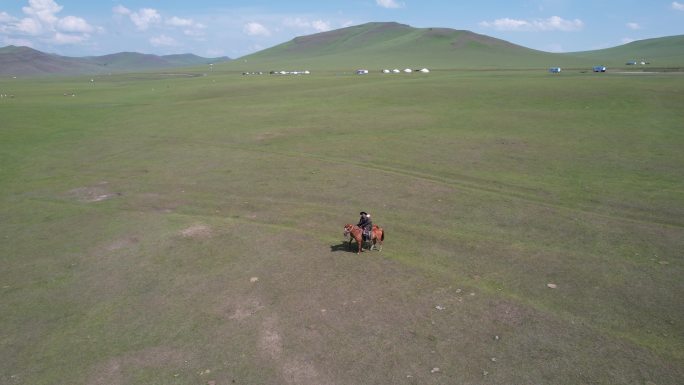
column 363, row 213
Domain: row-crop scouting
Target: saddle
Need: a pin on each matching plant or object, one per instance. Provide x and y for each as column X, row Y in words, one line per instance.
column 366, row 235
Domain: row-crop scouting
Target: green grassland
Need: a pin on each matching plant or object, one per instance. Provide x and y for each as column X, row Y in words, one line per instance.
column 167, row 229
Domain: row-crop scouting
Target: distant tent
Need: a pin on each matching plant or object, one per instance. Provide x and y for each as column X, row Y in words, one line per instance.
column 424, row 70
column 386, row 71
column 361, row 72
column 396, row 71
column 408, row 70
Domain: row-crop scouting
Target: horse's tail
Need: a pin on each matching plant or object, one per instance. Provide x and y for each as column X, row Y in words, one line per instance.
column 382, row 235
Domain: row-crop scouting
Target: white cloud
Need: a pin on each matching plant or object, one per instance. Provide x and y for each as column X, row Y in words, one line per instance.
column 256, row 29
column 505, row 24
column 553, row 23
column 179, row 22
column 191, row 28
column 320, row 25
column 74, row 24
column 28, row 26
column 677, row 6
column 316, row 25
column 163, row 41
column 193, row 33
column 296, row 23
column 43, row 10
column 145, row 17
column 64, row 38
column 6, row 17
column 121, row 10
column 389, row 4
column 42, row 22
column 633, row 26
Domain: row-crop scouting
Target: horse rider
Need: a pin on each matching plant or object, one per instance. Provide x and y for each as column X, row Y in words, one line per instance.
column 365, row 224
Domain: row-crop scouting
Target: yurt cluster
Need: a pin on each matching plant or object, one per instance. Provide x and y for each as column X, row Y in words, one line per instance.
column 394, row 71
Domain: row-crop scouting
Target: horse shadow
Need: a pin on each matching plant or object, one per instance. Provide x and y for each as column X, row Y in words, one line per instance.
column 342, row 246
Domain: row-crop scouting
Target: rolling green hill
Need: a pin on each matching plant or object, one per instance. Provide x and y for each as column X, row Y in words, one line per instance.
column 393, row 45
column 661, row 52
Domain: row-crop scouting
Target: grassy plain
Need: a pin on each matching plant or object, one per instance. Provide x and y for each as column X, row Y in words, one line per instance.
column 165, row 229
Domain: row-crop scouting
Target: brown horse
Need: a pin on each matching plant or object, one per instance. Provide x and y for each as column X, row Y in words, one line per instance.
column 356, row 233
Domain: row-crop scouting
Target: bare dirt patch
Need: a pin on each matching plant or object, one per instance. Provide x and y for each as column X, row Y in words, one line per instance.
column 114, row 371
column 89, row 194
column 122, row 243
column 508, row 314
column 156, row 202
column 270, row 343
column 293, row 369
column 197, row 231
column 238, row 310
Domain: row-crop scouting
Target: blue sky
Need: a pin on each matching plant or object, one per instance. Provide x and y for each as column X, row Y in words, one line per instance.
column 236, row 28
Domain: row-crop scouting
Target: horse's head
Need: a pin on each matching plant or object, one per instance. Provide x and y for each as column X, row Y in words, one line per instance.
column 347, row 229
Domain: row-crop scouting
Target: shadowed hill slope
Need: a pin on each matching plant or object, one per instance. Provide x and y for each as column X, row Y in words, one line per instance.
column 28, row 61
column 139, row 61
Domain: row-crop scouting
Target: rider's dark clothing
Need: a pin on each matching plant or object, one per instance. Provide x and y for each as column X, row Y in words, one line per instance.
column 366, row 225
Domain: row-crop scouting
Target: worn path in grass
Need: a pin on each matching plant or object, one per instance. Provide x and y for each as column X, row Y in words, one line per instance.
column 190, row 230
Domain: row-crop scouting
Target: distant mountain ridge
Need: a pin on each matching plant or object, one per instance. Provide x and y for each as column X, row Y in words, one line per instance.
column 28, row 61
